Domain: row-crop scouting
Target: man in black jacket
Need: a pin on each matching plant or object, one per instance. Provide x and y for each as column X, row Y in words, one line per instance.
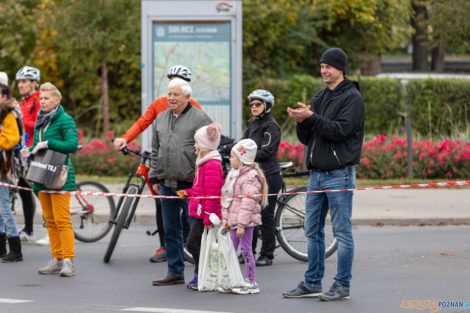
column 333, row 129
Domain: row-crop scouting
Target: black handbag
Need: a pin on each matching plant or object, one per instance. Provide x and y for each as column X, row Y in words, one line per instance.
column 47, row 168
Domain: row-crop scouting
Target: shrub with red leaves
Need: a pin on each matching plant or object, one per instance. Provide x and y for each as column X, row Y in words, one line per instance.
column 288, row 152
column 384, row 158
column 98, row 158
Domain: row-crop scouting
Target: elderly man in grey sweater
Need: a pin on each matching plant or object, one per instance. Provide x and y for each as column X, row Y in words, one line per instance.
column 172, row 168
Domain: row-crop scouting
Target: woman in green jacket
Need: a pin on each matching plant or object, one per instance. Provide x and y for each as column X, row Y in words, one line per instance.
column 56, row 130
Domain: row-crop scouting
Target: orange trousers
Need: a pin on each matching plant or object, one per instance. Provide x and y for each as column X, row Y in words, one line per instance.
column 56, row 211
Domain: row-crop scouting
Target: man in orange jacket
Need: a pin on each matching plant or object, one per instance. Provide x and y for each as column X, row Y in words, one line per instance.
column 156, row 107
column 28, row 78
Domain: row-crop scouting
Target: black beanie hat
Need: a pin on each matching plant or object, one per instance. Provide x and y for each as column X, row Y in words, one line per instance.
column 335, row 57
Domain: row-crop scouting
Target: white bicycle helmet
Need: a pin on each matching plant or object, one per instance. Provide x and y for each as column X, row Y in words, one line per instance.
column 263, row 95
column 3, row 78
column 28, row 72
column 180, row 71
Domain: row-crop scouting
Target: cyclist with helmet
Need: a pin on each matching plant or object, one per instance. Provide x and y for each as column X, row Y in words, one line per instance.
column 265, row 131
column 28, row 78
column 156, row 107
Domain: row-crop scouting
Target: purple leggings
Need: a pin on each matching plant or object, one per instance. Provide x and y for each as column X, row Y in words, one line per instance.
column 245, row 246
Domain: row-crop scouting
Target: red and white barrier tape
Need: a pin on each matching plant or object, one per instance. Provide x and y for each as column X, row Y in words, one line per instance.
column 112, row 194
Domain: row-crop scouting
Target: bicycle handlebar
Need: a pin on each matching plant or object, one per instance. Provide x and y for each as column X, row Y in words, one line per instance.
column 297, row 173
column 145, row 155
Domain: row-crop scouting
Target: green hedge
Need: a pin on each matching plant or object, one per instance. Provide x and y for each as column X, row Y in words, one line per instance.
column 382, row 98
column 439, row 106
column 444, row 102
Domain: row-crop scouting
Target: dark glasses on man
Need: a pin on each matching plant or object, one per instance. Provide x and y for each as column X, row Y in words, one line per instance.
column 256, row 104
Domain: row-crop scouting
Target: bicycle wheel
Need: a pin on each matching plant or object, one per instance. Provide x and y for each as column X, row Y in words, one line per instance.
column 188, row 256
column 290, row 217
column 90, row 214
column 120, row 223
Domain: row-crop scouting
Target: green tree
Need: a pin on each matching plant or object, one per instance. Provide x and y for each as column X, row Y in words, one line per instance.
column 286, row 37
column 438, row 24
column 365, row 28
column 18, row 27
column 450, row 22
column 449, row 27
column 98, row 50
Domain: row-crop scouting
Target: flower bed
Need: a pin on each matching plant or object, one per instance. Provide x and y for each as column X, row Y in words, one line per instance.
column 289, row 152
column 382, row 158
column 385, row 158
column 98, row 158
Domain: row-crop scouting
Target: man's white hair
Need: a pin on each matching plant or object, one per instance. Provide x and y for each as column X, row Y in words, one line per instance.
column 185, row 86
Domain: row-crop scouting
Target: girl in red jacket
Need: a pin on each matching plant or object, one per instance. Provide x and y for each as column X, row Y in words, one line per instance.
column 207, row 182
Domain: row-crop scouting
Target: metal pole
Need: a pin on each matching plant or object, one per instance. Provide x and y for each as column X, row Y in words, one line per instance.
column 409, row 140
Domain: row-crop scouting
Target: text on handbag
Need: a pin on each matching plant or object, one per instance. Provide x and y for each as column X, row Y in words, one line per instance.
column 48, row 167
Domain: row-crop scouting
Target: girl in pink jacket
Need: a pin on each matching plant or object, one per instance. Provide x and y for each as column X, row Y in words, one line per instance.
column 207, row 182
column 241, row 215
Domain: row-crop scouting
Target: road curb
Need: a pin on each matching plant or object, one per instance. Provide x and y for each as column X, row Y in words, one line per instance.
column 411, row 221
column 150, row 218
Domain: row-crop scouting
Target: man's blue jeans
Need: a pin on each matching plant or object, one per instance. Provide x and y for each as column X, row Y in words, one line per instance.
column 7, row 220
column 171, row 213
column 340, row 206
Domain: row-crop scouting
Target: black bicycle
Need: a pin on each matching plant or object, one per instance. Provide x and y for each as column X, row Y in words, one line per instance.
column 290, row 211
column 289, row 214
column 126, row 206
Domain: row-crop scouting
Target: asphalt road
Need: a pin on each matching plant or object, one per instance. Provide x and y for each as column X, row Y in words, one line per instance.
column 392, row 264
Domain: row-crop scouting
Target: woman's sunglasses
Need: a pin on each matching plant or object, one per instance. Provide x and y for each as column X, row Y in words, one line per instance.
column 255, row 104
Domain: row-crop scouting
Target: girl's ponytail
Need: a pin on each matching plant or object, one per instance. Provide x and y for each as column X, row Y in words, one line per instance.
column 264, row 198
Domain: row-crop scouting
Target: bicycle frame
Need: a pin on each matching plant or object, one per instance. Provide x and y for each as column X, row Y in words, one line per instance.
column 83, row 203
column 295, row 173
column 281, row 199
column 141, row 173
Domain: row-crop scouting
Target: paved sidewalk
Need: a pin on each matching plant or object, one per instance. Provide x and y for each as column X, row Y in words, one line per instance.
column 389, row 206
column 412, row 206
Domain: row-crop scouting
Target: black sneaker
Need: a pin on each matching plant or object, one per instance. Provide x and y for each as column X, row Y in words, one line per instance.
column 264, row 261
column 336, row 292
column 303, row 291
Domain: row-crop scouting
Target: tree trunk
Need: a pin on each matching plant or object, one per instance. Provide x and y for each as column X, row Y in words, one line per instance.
column 371, row 64
column 437, row 62
column 420, row 59
column 105, row 98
